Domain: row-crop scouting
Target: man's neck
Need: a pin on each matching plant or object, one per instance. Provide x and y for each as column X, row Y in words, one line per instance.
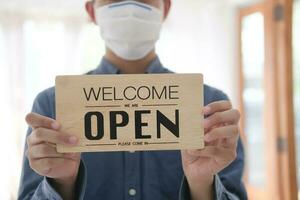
column 130, row 67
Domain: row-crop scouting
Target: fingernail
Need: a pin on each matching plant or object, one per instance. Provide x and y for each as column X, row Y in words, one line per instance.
column 189, row 152
column 205, row 123
column 206, row 109
column 72, row 155
column 206, row 138
column 73, row 140
column 55, row 125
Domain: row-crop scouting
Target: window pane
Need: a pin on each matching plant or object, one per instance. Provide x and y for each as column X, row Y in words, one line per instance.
column 253, row 95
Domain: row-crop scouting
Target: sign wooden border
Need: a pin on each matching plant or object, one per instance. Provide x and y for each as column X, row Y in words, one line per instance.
column 131, row 112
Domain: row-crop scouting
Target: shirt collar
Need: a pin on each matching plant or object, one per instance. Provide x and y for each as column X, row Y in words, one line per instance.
column 106, row 67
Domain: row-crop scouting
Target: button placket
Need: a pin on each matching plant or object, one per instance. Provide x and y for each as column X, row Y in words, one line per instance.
column 132, row 171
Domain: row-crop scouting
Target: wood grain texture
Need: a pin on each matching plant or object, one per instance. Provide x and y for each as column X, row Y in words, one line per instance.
column 182, row 92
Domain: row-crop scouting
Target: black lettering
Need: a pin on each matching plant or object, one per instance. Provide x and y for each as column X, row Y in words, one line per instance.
column 105, row 94
column 88, row 126
column 139, row 124
column 147, row 95
column 161, row 119
column 125, row 90
column 163, row 92
column 92, row 91
column 173, row 91
column 115, row 96
column 113, row 122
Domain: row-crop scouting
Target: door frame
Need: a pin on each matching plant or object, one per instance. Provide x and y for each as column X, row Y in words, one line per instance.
column 279, row 51
column 281, row 182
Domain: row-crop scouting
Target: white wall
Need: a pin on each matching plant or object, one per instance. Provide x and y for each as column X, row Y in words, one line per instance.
column 201, row 36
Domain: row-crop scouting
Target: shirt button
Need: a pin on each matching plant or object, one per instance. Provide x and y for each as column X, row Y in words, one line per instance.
column 132, row 192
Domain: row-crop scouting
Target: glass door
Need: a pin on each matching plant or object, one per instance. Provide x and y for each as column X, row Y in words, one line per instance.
column 266, row 97
column 253, row 98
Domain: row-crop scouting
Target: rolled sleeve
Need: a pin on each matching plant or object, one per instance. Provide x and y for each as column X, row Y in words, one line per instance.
column 81, row 181
column 220, row 192
column 228, row 184
column 184, row 193
column 80, row 185
column 45, row 190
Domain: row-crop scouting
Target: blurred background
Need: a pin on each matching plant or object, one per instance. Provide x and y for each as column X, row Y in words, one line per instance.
column 248, row 48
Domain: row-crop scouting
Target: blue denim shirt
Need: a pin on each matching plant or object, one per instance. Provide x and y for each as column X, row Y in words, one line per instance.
column 150, row 175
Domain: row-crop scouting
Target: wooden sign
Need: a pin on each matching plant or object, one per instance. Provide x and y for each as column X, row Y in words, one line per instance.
column 131, row 112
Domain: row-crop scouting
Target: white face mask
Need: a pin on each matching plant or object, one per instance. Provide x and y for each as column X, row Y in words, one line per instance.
column 129, row 28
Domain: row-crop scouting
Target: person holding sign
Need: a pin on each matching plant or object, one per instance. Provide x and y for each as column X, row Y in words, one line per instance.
column 130, row 30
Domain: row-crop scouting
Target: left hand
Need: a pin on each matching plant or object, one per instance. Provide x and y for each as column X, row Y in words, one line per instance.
column 221, row 135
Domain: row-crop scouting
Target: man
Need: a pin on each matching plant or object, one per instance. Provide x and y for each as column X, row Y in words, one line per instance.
column 130, row 30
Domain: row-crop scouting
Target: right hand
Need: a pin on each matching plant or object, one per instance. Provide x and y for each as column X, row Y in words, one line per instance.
column 42, row 155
